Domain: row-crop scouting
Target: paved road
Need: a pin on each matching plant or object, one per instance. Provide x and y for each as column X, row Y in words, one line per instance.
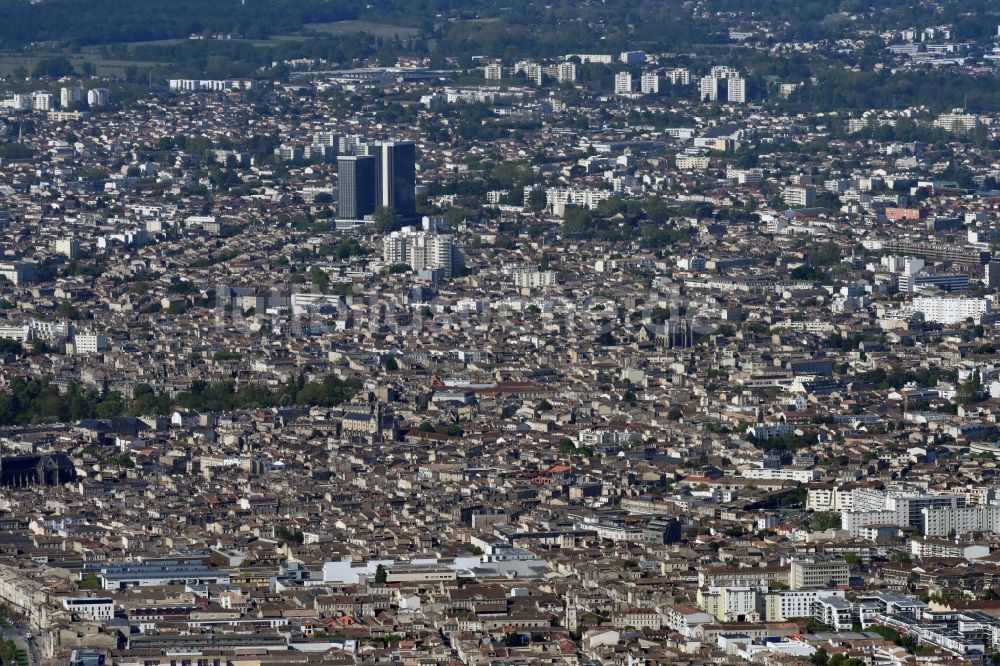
column 13, row 632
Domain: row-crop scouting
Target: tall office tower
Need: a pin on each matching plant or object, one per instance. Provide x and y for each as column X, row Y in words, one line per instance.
column 357, row 186
column 992, row 280
column 709, row 88
column 397, row 177
column 737, row 91
column 623, row 83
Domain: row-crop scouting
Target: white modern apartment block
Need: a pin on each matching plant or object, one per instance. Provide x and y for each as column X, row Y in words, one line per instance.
column 799, row 196
column 708, row 88
column 679, row 77
column 420, row 250
column 571, row 196
column 795, row 603
column 42, row 100
column 957, row 122
column 623, row 83
column 94, row 608
column 822, row 574
column 828, row 497
column 217, row 85
column 532, row 71
column 49, row 330
column 89, row 343
column 19, row 333
column 649, row 84
column 17, row 273
column 493, row 71
column 902, row 509
column 19, row 101
column 98, row 97
column 834, row 612
column 724, row 72
column 949, row 521
column 595, row 58
column 306, row 303
column 69, row 247
column 692, row 162
column 737, row 91
column 729, row 603
column 530, row 277
column 632, row 57
column 785, row 474
column 935, row 547
column 946, row 311
column 913, row 282
column 68, row 96
column 566, row 72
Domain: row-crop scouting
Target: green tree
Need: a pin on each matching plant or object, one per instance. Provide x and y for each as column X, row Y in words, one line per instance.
column 536, row 199
column 381, row 575
column 9, row 346
column 386, row 219
column 89, row 581
column 67, row 310
column 826, row 520
column 54, row 68
column 969, row 390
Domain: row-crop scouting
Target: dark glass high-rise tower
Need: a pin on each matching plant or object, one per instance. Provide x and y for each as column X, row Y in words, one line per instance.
column 397, row 177
column 357, row 186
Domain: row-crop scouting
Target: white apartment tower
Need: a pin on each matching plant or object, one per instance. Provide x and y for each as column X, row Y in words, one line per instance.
column 68, row 96
column 679, row 77
column 737, row 91
column 623, row 83
column 69, row 247
column 724, row 72
column 419, row 250
column 566, row 72
column 650, row 83
column 98, row 97
column 41, row 101
column 708, row 88
column 533, row 72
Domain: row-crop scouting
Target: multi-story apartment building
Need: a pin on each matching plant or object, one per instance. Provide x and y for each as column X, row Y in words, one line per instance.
column 420, row 250
column 820, row 574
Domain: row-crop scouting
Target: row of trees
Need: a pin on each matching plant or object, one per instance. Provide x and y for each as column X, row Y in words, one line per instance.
column 618, row 219
column 110, row 21
column 40, row 401
column 939, row 89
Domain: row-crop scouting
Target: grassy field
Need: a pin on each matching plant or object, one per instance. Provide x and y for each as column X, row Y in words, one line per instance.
column 350, row 27
column 9, row 63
